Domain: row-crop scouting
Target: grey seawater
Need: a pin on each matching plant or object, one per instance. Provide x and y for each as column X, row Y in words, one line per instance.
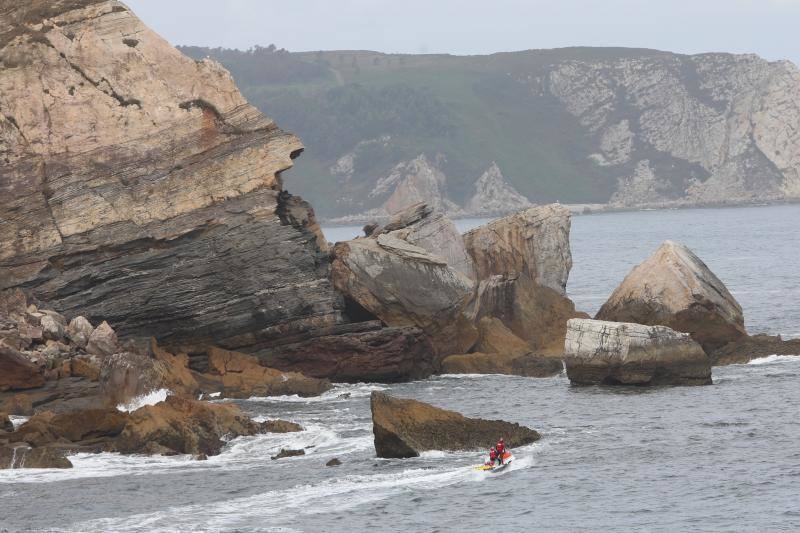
column 719, row 458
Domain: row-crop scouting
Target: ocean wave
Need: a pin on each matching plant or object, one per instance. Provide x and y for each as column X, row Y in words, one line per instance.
column 774, row 359
column 339, row 392
column 151, row 398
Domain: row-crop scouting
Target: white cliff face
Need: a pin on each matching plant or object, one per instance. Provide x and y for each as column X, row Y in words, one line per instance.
column 493, row 194
column 722, row 128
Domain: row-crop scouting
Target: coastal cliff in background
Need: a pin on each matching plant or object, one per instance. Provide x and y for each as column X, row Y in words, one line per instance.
column 139, row 187
column 483, row 135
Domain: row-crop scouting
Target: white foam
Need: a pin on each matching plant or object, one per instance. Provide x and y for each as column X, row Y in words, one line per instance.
column 151, row 398
column 774, row 359
column 339, row 392
column 18, row 420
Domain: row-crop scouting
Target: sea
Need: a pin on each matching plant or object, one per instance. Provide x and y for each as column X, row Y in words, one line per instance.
column 724, row 457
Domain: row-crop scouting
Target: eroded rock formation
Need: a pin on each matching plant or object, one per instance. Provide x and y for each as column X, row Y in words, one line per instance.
column 522, row 263
column 141, row 188
column 614, row 353
column 674, row 288
column 404, row 428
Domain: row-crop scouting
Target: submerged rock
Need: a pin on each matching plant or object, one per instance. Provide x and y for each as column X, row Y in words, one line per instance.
column 405, row 428
column 614, row 353
column 753, row 347
column 334, row 462
column 287, row 453
column 281, row 426
column 674, row 288
column 522, row 263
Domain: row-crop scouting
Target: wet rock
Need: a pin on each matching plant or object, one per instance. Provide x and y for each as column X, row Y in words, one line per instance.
column 614, row 353
column 405, row 428
column 21, row 456
column 79, row 331
column 753, row 347
column 287, row 453
column 281, row 426
column 5, row 422
column 334, row 462
column 18, row 405
column 90, row 426
column 404, row 285
column 499, row 351
column 103, row 340
column 237, row 375
column 674, row 288
column 377, row 355
column 184, row 426
column 16, row 371
column 522, row 263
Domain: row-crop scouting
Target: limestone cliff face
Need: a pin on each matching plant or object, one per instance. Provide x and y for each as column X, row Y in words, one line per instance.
column 709, row 128
column 139, row 186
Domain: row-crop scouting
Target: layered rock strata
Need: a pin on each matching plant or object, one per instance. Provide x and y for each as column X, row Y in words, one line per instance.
column 613, row 353
column 405, row 428
column 139, row 186
column 674, row 288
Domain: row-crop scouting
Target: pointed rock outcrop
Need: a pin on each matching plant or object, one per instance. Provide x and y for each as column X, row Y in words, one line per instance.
column 674, row 288
column 493, row 194
column 405, row 428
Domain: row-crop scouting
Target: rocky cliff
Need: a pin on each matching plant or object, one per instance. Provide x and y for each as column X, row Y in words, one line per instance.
column 139, row 187
column 480, row 134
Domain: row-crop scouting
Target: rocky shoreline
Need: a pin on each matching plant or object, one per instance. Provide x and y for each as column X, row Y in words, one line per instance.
column 147, row 244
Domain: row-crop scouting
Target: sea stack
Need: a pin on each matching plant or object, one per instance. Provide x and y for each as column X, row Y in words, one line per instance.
column 674, row 288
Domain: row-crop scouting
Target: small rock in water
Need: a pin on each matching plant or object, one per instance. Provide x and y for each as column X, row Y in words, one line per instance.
column 333, row 462
column 281, row 426
column 287, row 453
column 201, row 457
column 344, row 396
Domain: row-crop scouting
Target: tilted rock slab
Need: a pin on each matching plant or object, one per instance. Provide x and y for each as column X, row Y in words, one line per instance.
column 140, row 187
column 405, row 285
column 674, row 288
column 614, row 353
column 522, row 263
column 405, row 428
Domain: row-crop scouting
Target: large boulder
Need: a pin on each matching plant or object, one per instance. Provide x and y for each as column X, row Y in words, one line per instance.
column 88, row 427
column 103, row 340
column 140, row 187
column 16, row 371
column 183, row 426
column 405, row 285
column 674, row 288
column 79, row 331
column 613, row 353
column 499, row 351
column 522, row 263
column 376, row 354
column 405, row 428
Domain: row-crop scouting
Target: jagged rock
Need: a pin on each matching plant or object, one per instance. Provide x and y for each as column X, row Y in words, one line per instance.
column 237, row 375
column 79, row 331
column 493, row 194
column 674, row 288
column 404, row 428
column 287, row 453
column 21, row 456
column 411, row 182
column 280, row 426
column 85, row 368
column 52, row 329
column 18, row 405
column 404, row 285
column 184, row 426
column 753, row 347
column 422, row 226
column 16, row 371
column 499, row 351
column 94, row 425
column 522, row 263
column 614, row 353
column 103, row 340
column 377, row 355
column 141, row 188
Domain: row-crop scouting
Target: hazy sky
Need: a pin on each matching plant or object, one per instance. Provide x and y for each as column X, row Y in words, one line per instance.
column 766, row 27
